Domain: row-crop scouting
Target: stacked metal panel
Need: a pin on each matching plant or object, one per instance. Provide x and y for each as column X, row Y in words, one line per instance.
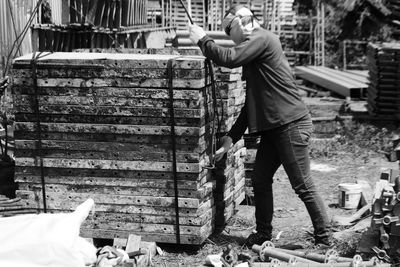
column 109, row 14
column 105, row 127
column 383, row 92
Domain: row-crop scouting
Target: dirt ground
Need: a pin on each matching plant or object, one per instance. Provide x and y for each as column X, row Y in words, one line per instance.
column 291, row 221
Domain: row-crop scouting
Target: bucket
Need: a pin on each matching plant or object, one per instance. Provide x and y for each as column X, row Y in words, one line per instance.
column 349, row 195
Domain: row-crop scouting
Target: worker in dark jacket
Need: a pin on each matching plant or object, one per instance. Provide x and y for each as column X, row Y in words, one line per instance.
column 274, row 110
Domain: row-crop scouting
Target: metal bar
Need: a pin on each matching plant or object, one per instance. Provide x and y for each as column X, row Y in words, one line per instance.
column 313, row 256
column 352, row 80
column 329, row 82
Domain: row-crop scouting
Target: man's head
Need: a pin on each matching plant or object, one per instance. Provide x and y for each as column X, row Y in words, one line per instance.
column 238, row 22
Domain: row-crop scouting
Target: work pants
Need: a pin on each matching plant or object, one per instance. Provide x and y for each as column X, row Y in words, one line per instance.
column 287, row 145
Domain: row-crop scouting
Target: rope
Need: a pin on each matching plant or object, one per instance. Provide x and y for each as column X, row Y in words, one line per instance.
column 174, row 165
column 38, row 126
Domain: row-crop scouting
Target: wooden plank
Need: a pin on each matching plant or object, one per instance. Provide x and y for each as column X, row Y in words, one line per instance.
column 133, row 243
column 115, row 60
column 140, row 183
column 109, row 101
column 199, row 220
column 84, row 174
column 33, row 200
column 119, row 242
column 112, row 155
column 201, row 142
column 66, row 71
column 137, row 201
column 117, row 120
column 115, row 111
column 106, row 152
column 200, row 193
column 111, row 129
column 147, row 228
column 110, row 164
column 107, row 146
column 155, row 237
column 145, row 93
column 116, row 82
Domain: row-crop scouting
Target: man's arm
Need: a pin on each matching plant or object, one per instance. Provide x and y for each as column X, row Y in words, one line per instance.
column 232, row 57
column 239, row 127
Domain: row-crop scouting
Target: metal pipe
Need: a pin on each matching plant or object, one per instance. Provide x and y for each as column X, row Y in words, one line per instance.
column 274, row 253
column 313, row 256
column 291, row 260
column 317, row 264
column 187, row 12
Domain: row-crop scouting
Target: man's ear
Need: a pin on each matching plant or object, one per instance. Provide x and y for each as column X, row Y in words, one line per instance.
column 248, row 28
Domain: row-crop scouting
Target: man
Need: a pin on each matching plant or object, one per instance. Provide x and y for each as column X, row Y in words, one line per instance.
column 274, row 110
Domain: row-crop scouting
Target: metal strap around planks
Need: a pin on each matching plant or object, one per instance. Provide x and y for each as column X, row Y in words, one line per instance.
column 35, row 57
column 170, row 66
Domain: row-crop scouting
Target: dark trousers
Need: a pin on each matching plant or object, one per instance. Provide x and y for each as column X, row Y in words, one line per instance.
column 287, row 145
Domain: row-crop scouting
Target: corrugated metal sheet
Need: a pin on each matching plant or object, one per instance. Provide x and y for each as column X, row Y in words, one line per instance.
column 14, row 15
column 56, row 11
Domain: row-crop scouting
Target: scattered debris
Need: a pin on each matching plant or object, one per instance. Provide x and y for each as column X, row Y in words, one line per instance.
column 383, row 236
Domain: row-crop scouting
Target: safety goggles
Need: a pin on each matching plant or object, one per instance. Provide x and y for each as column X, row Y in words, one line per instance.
column 228, row 27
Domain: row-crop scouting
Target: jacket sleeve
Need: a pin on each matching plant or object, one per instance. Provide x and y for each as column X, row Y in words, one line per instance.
column 239, row 127
column 232, row 57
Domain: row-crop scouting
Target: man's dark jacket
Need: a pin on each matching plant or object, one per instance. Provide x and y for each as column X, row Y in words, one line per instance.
column 272, row 98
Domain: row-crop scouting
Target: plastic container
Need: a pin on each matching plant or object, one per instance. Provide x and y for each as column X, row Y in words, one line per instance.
column 349, row 195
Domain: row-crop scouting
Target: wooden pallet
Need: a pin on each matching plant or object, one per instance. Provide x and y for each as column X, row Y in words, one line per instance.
column 384, row 89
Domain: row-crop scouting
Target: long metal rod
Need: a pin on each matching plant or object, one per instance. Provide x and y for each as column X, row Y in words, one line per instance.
column 187, row 12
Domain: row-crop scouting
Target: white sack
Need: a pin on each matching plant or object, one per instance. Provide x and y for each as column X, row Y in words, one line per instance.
column 46, row 240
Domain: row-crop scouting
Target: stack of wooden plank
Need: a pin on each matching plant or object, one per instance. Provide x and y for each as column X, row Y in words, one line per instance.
column 106, row 134
column 230, row 97
column 230, row 89
column 384, row 70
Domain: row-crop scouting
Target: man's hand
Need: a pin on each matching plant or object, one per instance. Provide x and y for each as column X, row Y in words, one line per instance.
column 196, row 33
column 226, row 142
